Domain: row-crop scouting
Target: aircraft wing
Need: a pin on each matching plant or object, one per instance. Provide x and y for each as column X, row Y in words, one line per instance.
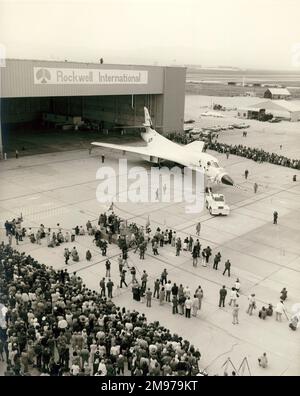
column 143, row 150
column 148, row 151
column 197, row 145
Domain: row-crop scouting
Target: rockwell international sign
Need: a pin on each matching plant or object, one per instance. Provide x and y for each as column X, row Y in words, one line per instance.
column 51, row 75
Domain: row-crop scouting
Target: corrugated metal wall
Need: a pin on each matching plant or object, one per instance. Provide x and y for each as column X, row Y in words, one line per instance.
column 17, row 79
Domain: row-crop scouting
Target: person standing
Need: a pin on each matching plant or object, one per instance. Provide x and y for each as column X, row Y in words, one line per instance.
column 246, row 174
column 252, row 304
column 237, row 285
column 283, row 294
column 121, row 264
column 173, row 241
column 223, row 294
column 142, row 251
column 198, row 228
column 102, row 287
column 17, row 154
column 109, row 287
column 168, row 288
column 279, row 310
column 275, row 217
column 174, row 305
column 148, row 297
column 181, row 301
column 162, row 296
column 88, row 255
column 199, row 295
column 155, row 248
column 207, row 254
column 74, row 254
column 227, row 267
column 195, row 256
column 133, row 274
column 217, row 259
column 107, row 267
column 188, row 307
column 67, row 255
column 233, row 296
column 164, row 275
column 255, row 187
column 198, row 247
column 156, row 288
column 170, row 236
column 191, row 243
column 38, row 237
column 123, row 279
column 178, row 246
column 174, row 290
column 144, row 278
column 235, row 314
column 195, row 305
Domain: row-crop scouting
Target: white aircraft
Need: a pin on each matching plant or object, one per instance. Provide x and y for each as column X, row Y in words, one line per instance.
column 158, row 148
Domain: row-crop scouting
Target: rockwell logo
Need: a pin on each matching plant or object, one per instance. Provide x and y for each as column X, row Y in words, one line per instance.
column 63, row 76
column 43, row 75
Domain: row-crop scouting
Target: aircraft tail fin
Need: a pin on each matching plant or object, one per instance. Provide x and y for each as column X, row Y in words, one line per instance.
column 148, row 122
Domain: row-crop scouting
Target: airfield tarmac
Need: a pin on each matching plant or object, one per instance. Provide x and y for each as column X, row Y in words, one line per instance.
column 61, row 188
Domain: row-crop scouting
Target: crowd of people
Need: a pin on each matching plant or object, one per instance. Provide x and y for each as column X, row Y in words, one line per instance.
column 256, row 154
column 52, row 322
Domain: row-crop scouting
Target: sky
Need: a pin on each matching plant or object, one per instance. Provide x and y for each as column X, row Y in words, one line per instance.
column 241, row 33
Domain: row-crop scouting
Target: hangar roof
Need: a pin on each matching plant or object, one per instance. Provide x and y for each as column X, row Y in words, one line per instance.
column 279, row 91
column 279, row 105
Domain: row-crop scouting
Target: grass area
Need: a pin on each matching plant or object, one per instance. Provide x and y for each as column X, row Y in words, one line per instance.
column 229, row 90
column 29, row 141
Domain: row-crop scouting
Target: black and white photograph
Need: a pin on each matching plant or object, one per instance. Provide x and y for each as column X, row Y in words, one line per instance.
column 149, row 191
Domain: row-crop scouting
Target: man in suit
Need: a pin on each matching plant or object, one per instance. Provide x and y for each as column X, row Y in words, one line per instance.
column 227, row 267
column 217, row 259
column 223, row 293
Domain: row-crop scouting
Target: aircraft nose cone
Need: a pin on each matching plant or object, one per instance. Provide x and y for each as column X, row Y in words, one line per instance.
column 227, row 180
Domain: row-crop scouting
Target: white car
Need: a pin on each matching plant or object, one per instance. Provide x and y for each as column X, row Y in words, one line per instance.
column 216, row 205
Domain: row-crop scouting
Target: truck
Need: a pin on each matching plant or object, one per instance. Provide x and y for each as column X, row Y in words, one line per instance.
column 215, row 203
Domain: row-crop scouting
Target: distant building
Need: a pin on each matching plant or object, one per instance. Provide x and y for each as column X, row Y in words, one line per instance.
column 277, row 93
column 278, row 108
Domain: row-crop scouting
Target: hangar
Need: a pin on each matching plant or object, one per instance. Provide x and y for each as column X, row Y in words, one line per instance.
column 107, row 95
column 279, row 108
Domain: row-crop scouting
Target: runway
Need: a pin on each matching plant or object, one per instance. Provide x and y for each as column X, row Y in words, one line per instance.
column 61, row 188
